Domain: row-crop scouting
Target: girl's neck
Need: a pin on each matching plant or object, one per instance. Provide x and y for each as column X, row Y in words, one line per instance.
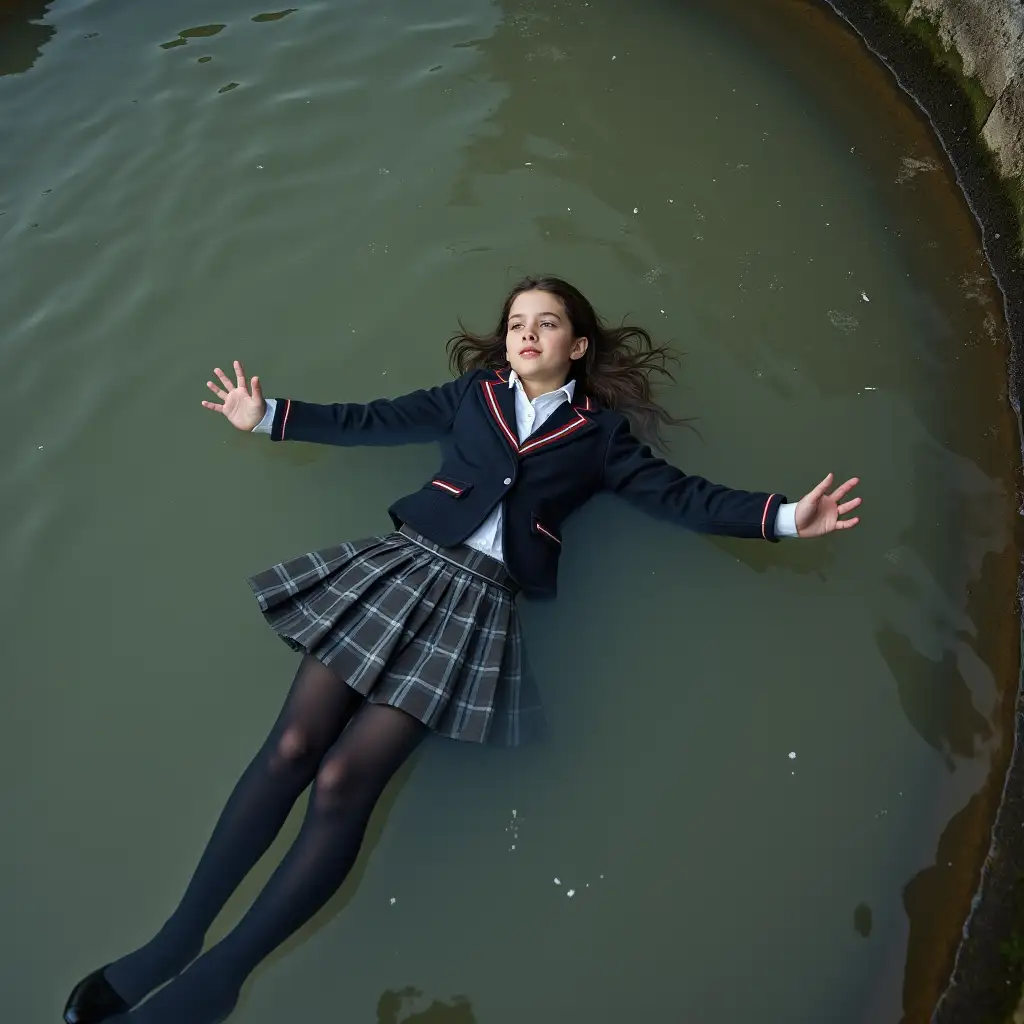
column 535, row 388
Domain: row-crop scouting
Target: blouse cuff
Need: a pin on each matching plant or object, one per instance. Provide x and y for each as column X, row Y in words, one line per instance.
column 264, row 425
column 785, row 521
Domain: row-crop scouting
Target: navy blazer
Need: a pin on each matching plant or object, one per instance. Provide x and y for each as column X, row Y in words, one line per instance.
column 580, row 450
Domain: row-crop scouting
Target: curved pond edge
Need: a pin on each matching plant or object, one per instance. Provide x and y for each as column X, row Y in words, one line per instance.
column 986, row 967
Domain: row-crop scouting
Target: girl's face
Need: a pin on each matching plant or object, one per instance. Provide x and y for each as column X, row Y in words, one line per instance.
column 539, row 341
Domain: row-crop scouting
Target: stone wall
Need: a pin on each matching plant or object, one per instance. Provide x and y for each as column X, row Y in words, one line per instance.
column 983, row 42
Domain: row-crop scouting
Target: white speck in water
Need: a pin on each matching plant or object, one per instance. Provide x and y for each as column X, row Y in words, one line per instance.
column 600, row 876
column 569, row 208
column 259, row 167
column 792, row 755
column 513, row 846
column 558, row 881
column 513, row 812
column 864, row 296
column 529, row 163
column 40, row 447
column 383, row 372
column 571, row 893
column 613, row 58
column 871, row 389
column 636, row 209
column 392, row 901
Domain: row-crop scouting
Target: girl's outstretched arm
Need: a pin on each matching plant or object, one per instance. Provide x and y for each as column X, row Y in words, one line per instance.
column 632, row 471
column 417, row 418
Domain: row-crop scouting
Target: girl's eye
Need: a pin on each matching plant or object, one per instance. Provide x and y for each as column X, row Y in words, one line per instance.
column 515, row 327
column 547, row 323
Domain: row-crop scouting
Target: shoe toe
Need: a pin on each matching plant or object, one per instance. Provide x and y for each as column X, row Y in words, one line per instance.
column 93, row 1000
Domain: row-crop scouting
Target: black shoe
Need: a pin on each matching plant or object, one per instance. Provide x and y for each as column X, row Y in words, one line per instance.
column 93, row 1000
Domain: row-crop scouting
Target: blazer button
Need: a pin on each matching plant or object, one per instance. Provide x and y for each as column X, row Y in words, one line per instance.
column 508, row 480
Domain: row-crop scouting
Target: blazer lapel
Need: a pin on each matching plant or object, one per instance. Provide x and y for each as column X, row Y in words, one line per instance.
column 567, row 422
column 500, row 402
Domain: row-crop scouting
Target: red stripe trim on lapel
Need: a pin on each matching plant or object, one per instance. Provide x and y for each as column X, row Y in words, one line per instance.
column 492, row 403
column 555, row 435
column 764, row 516
column 287, row 409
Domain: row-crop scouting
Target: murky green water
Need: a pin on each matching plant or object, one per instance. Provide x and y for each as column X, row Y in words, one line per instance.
column 322, row 193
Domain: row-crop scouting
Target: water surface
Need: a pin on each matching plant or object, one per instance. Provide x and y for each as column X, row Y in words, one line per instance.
column 322, row 192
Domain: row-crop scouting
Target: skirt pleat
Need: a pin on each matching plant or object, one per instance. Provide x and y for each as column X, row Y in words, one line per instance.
column 433, row 631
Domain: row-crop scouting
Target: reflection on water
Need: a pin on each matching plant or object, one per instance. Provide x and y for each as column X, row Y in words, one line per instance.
column 400, row 1007
column 207, row 31
column 935, row 697
column 274, row 15
column 931, row 946
column 21, row 37
column 199, row 32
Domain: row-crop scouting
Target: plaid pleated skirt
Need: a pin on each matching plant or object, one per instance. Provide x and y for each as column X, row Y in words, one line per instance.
column 433, row 631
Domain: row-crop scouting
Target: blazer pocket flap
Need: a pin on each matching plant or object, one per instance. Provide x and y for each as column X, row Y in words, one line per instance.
column 449, row 485
column 546, row 531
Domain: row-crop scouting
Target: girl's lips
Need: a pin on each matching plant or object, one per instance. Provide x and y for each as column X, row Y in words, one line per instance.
column 528, row 353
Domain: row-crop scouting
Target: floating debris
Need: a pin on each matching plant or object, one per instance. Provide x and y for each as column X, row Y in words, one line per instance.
column 843, row 321
column 911, row 168
column 513, row 828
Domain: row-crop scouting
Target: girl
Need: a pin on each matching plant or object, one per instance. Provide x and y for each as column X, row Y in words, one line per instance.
column 417, row 630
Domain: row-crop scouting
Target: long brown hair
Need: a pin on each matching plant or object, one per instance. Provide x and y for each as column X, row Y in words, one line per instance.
column 615, row 371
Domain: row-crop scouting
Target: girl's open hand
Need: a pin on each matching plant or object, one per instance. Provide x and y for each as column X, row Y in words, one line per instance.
column 243, row 410
column 817, row 513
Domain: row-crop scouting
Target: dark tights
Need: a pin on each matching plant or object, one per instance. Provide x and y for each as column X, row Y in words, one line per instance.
column 349, row 768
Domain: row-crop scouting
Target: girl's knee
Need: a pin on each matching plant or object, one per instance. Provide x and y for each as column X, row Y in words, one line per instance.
column 334, row 778
column 339, row 781
column 294, row 746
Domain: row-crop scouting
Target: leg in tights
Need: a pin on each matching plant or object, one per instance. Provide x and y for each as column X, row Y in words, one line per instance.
column 317, row 709
column 351, row 778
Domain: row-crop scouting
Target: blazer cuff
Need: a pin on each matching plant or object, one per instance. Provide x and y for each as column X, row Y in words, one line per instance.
column 266, row 424
column 279, row 426
column 785, row 521
column 770, row 515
